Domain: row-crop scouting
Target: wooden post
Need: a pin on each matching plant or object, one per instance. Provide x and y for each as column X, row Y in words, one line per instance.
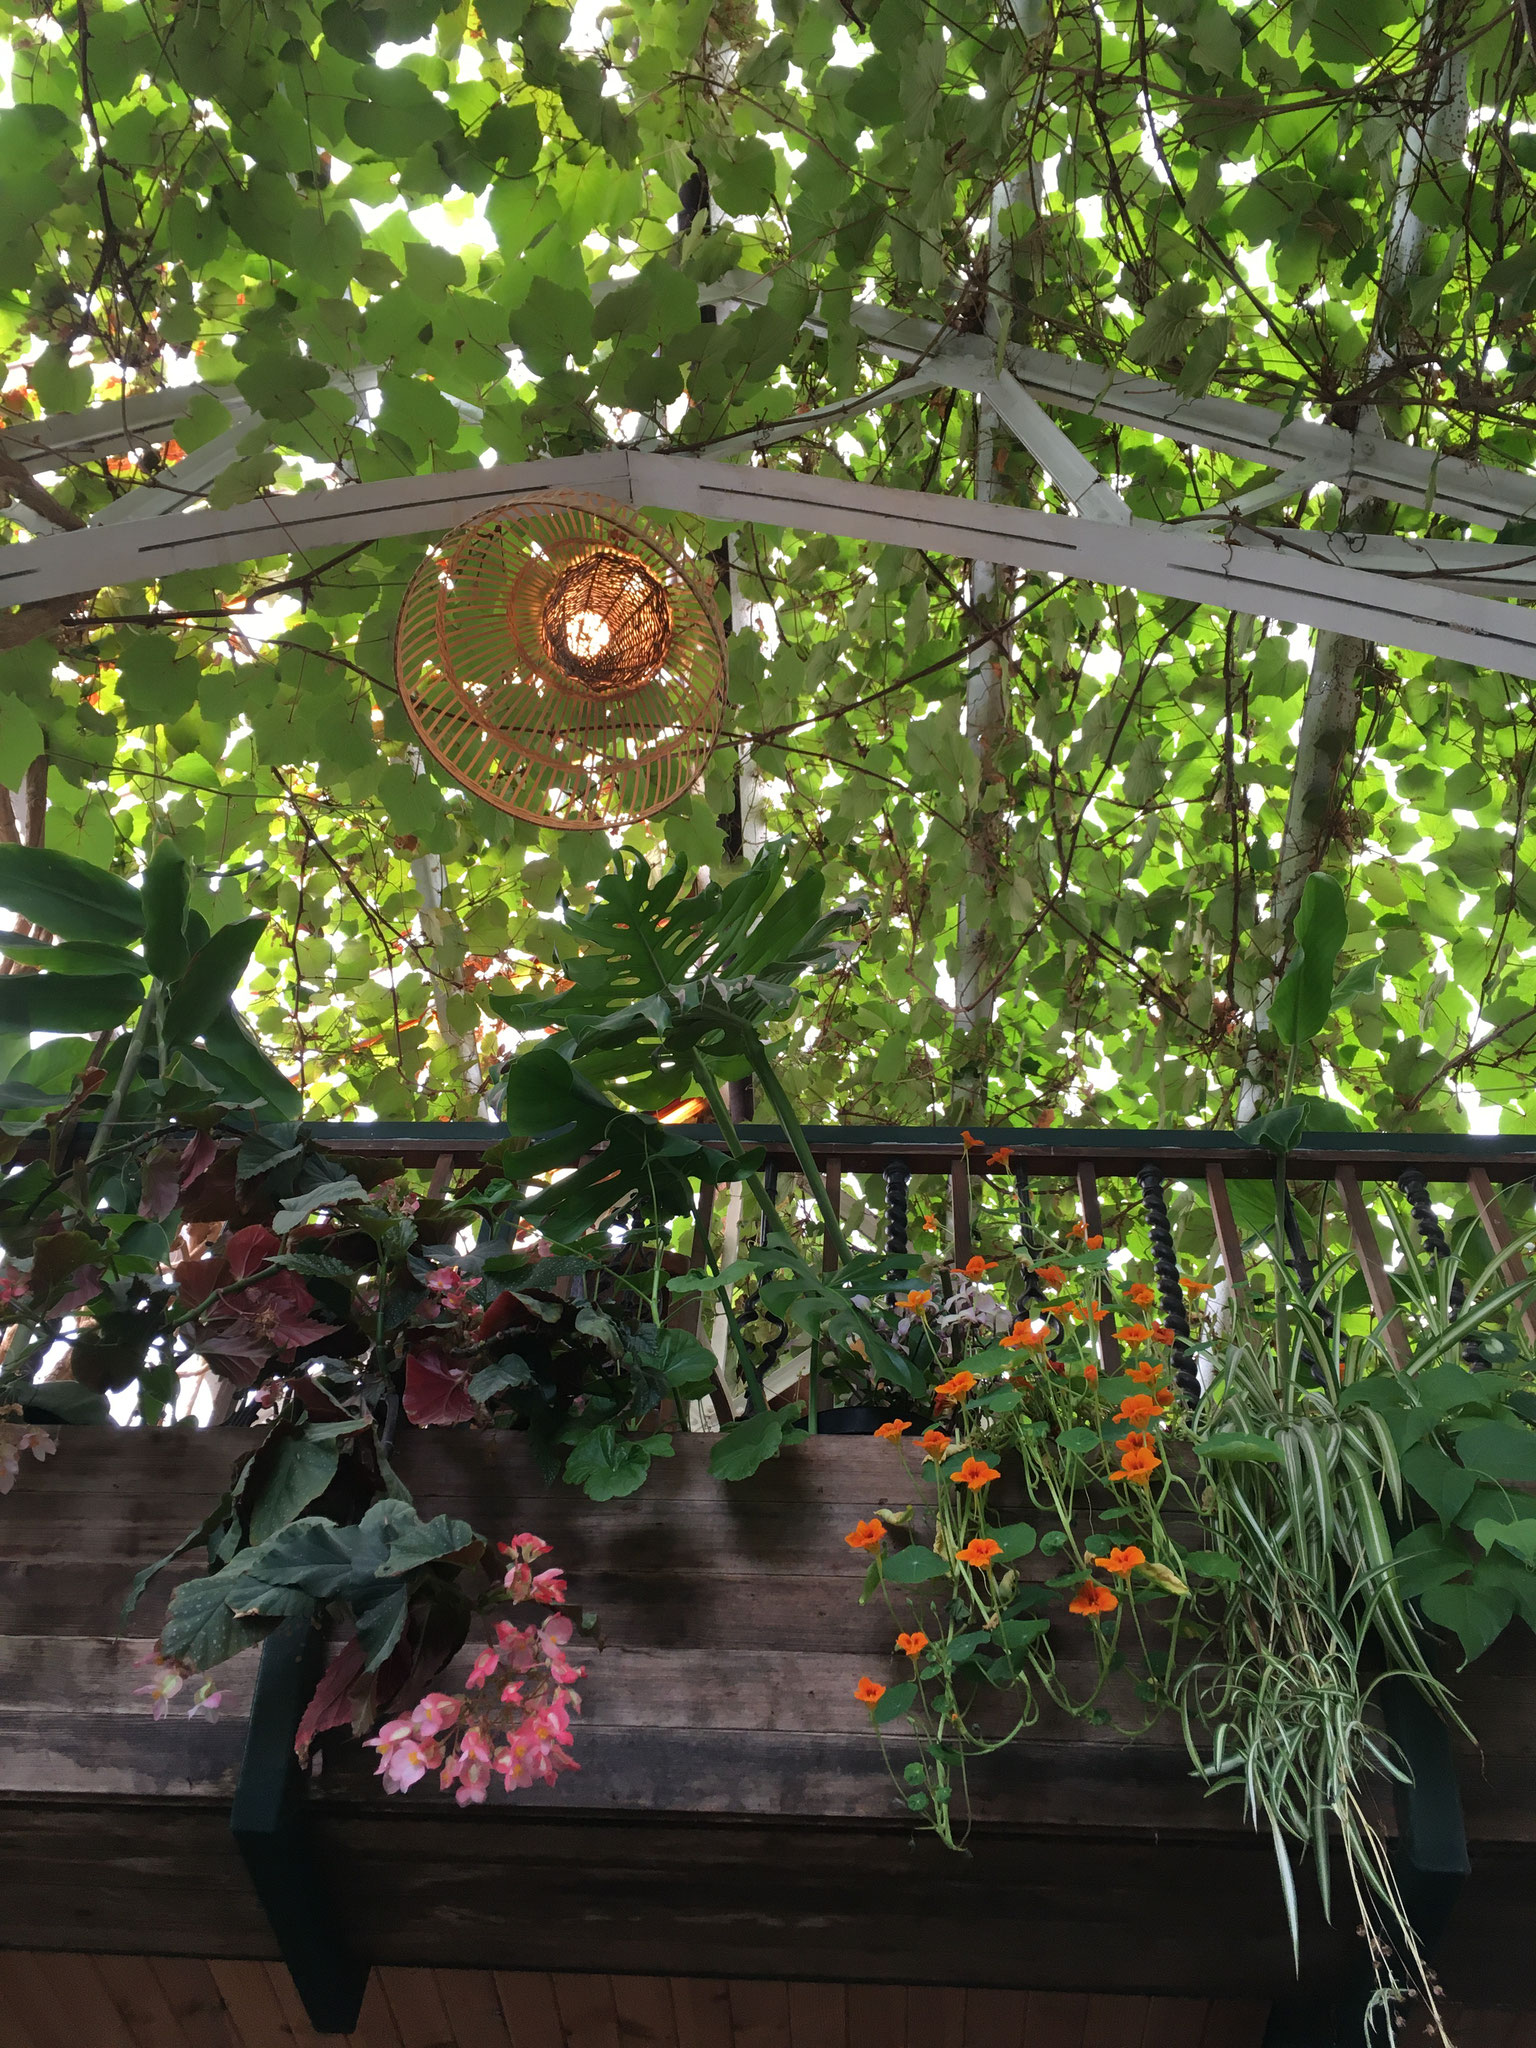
column 1229, row 1239
column 442, row 1173
column 1362, row 1233
column 960, row 1207
column 1496, row 1227
column 1093, row 1226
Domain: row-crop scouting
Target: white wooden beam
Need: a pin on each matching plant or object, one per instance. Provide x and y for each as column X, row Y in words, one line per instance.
column 1295, row 583
column 1418, row 477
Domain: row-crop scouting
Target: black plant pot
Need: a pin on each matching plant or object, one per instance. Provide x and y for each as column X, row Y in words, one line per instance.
column 858, row 1421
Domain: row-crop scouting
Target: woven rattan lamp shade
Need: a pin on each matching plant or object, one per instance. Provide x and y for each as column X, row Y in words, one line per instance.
column 562, row 661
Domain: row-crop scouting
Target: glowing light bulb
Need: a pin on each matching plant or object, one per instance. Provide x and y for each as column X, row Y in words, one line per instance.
column 587, row 634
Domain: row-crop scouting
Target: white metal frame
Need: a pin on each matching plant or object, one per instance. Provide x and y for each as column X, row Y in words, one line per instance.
column 1442, row 598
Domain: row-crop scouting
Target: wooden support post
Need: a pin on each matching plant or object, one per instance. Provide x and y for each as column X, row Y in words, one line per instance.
column 1229, row 1239
column 1496, row 1228
column 442, row 1173
column 960, row 1207
column 1093, row 1226
column 1362, row 1233
column 272, row 1829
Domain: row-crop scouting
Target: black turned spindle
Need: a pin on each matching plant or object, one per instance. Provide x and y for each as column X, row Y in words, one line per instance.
column 1029, row 1244
column 1165, row 1265
column 897, row 1176
column 771, row 1190
column 1437, row 1245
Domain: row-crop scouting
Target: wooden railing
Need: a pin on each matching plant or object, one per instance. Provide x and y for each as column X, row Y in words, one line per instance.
column 1031, row 1162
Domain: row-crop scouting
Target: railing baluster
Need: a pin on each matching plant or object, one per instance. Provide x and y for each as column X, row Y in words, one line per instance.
column 1029, row 1245
column 1378, row 1286
column 1436, row 1244
column 1496, row 1228
column 1093, row 1226
column 1229, row 1239
column 897, row 1178
column 960, row 1207
column 1165, row 1264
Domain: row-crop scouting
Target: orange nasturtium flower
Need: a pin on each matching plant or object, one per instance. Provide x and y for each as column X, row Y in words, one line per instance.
column 1078, row 1230
column 1138, row 1460
column 866, row 1536
column 1196, row 1286
column 1093, row 1244
column 1148, row 1374
column 917, row 1301
column 1100, row 1315
column 1053, row 1276
column 1022, row 1335
column 1140, row 1295
column 1122, row 1561
column 974, row 1268
column 868, row 1692
column 936, row 1444
column 1133, row 1333
column 1137, row 1408
column 1161, row 1334
column 1001, row 1156
column 974, row 1474
column 1166, row 1397
column 1093, row 1599
column 912, row 1644
column 971, row 1144
column 1091, row 1375
column 930, row 1222
column 980, row 1551
column 891, row 1431
column 955, row 1388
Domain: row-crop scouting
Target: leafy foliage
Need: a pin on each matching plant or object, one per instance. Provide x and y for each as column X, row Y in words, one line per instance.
column 389, row 241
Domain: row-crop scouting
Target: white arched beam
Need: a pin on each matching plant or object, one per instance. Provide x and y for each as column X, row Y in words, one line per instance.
column 1271, row 578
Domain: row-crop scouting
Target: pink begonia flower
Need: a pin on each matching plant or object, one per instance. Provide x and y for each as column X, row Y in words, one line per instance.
column 519, row 1646
column 162, row 1691
column 512, row 1693
column 207, row 1703
column 402, row 1758
column 451, row 1290
column 549, row 1588
column 485, row 1666
column 519, row 1581
column 525, row 1546
column 434, row 1712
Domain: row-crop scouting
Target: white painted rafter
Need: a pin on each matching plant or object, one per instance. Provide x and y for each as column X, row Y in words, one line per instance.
column 1421, row 478
column 1269, row 575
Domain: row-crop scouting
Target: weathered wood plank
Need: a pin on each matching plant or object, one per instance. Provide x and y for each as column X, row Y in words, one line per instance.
column 1055, row 2019
column 936, row 2016
column 193, row 1997
column 818, row 2016
column 760, row 2015
column 703, row 2010
column 643, row 2008
column 877, row 2014
column 528, row 2006
column 137, row 1996
column 994, row 2019
column 247, row 1992
column 416, row 2004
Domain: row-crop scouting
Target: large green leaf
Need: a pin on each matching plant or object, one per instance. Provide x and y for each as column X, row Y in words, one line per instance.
column 1305, row 992
column 213, row 974
column 73, row 956
column 69, row 897
column 166, row 893
column 67, row 1002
